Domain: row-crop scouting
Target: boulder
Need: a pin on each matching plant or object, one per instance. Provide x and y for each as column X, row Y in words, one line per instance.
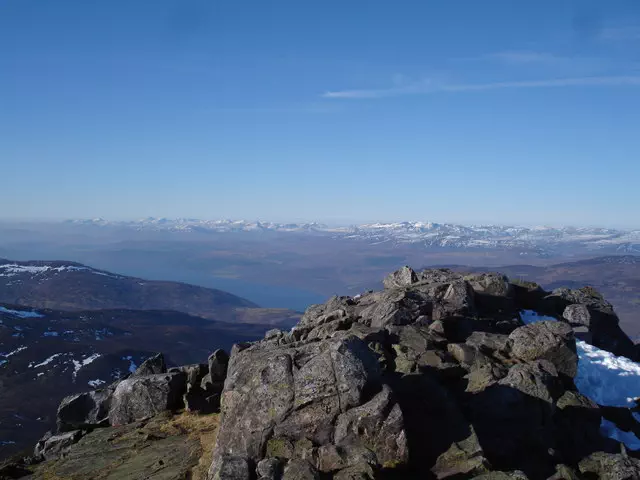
column 232, row 468
column 85, row 410
column 403, row 277
column 300, row 470
column 151, row 366
column 137, row 398
column 268, row 469
column 548, row 340
column 378, row 425
column 577, row 315
column 608, row 466
column 277, row 395
column 54, row 446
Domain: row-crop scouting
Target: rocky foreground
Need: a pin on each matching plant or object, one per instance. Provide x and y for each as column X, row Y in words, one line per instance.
column 435, row 377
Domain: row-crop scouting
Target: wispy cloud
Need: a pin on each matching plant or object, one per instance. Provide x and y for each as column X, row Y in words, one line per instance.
column 523, row 57
column 427, row 86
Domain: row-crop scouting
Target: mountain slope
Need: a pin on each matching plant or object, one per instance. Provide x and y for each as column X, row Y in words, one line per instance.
column 47, row 354
column 73, row 286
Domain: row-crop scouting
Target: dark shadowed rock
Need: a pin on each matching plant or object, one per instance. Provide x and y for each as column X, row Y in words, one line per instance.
column 233, row 468
column 269, row 469
column 137, row 398
column 85, row 410
column 403, row 277
column 378, row 425
column 300, row 470
column 549, row 340
column 151, row 366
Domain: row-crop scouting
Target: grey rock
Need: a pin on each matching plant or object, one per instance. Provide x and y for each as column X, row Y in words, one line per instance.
column 403, row 277
column 537, row 379
column 607, row 466
column 577, row 314
column 549, row 340
column 232, row 468
column 488, row 342
column 152, row 365
column 268, row 469
column 300, row 470
column 85, row 410
column 379, row 425
column 136, row 398
column 54, row 446
column 218, row 362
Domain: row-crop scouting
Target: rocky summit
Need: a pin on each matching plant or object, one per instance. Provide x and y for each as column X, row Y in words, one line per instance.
column 438, row 376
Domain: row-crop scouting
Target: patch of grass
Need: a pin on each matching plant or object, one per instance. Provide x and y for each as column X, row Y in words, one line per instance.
column 203, row 428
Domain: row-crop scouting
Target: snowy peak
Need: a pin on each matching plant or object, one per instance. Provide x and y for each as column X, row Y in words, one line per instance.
column 536, row 240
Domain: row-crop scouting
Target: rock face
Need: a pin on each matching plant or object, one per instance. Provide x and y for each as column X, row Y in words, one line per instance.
column 435, row 376
column 85, row 410
column 140, row 397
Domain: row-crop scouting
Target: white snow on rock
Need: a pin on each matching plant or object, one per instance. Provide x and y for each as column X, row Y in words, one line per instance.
column 13, row 352
column 96, row 383
column 10, row 270
column 21, row 313
column 605, row 378
column 77, row 365
column 47, row 361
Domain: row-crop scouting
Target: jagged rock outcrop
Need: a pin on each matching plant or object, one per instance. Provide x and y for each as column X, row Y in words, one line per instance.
column 435, row 376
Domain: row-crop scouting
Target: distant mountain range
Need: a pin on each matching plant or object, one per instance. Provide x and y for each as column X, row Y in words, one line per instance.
column 538, row 241
column 73, row 286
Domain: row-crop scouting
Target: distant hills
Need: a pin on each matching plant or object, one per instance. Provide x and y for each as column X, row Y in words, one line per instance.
column 72, row 286
column 534, row 241
column 66, row 327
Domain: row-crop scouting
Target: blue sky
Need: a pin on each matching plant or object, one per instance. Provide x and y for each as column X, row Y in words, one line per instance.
column 343, row 111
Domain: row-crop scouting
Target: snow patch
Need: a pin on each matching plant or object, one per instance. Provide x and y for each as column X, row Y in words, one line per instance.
column 77, row 365
column 47, row 361
column 17, row 350
column 96, row 383
column 606, row 379
column 21, row 313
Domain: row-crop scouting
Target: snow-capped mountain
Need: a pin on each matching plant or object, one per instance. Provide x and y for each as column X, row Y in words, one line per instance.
column 530, row 240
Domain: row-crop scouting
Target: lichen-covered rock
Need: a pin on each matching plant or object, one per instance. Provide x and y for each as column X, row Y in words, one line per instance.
column 136, row 398
column 232, row 468
column 607, row 466
column 548, row 340
column 291, row 393
column 378, row 425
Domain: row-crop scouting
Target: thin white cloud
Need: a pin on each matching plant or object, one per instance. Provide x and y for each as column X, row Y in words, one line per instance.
column 523, row 57
column 426, row 87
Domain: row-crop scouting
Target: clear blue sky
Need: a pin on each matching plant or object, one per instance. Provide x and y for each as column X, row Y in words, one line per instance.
column 332, row 110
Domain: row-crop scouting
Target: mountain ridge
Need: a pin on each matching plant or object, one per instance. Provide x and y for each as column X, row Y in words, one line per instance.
column 72, row 286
